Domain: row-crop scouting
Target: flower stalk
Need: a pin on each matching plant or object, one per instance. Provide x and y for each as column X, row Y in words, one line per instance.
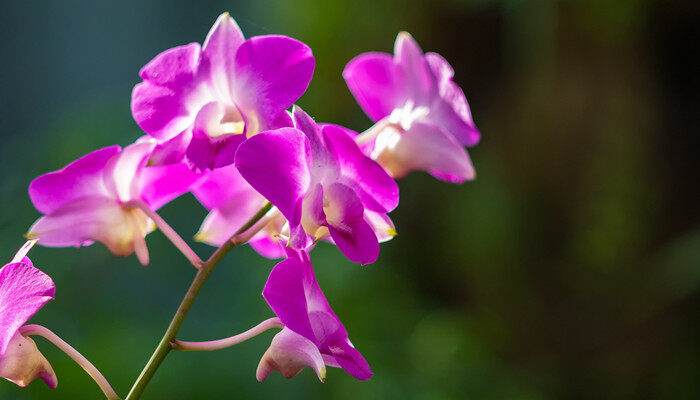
column 168, row 231
column 220, row 344
column 95, row 374
column 165, row 345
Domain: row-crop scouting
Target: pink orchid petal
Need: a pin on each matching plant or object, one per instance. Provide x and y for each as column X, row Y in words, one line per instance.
column 295, row 296
column 91, row 219
column 267, row 246
column 122, row 170
column 381, row 224
column 222, row 186
column 163, row 183
column 428, row 147
column 289, row 353
column 231, row 201
column 270, row 74
column 376, row 83
column 378, row 191
column 420, row 83
column 452, row 111
column 23, row 291
column 165, row 103
column 204, row 153
column 354, row 237
column 323, row 164
column 219, row 52
column 83, row 176
column 171, row 151
column 274, row 164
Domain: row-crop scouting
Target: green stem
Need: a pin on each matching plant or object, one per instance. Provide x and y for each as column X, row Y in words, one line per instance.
column 165, row 344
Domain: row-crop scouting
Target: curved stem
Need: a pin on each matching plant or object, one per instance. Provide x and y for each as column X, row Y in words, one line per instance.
column 164, row 346
column 229, row 341
column 169, row 232
column 95, row 374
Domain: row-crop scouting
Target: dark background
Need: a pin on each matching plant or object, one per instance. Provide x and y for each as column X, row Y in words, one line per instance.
column 570, row 269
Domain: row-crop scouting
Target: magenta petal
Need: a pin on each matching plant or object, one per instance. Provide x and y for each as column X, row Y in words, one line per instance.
column 420, row 83
column 376, row 83
column 285, row 292
column 349, row 359
column 271, row 73
column 173, row 67
column 83, row 176
column 205, row 153
column 222, row 186
column 170, row 151
column 378, row 191
column 219, row 51
column 381, row 224
column 231, row 201
column 163, row 183
column 274, row 164
column 91, row 219
column 452, row 111
column 165, row 103
column 267, row 247
column 23, row 291
column 428, row 147
column 322, row 162
column 354, row 237
column 122, row 172
column 295, row 296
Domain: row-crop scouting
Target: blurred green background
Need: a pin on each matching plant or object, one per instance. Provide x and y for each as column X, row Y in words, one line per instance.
column 570, row 269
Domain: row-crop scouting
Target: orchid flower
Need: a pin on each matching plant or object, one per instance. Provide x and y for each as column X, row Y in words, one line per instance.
column 214, row 96
column 422, row 117
column 232, row 202
column 322, row 183
column 91, row 199
column 23, row 291
column 313, row 335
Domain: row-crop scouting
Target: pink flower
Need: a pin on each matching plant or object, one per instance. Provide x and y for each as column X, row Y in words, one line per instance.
column 23, row 291
column 422, row 117
column 88, row 200
column 322, row 183
column 220, row 93
column 313, row 335
column 232, row 202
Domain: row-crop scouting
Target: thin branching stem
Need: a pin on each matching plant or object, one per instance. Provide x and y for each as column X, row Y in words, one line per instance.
column 169, row 232
column 95, row 374
column 203, row 273
column 212, row 345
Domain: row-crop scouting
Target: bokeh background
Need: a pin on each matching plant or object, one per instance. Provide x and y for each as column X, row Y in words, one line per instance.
column 570, row 269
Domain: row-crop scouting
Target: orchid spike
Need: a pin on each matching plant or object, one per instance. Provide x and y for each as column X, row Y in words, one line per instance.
column 322, row 183
column 422, row 117
column 231, row 202
column 88, row 200
column 295, row 296
column 215, row 95
column 23, row 291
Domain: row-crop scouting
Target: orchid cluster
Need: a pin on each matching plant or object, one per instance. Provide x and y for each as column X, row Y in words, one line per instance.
column 220, row 123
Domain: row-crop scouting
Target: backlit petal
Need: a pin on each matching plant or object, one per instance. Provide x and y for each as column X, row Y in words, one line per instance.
column 271, row 73
column 23, row 291
column 82, row 177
